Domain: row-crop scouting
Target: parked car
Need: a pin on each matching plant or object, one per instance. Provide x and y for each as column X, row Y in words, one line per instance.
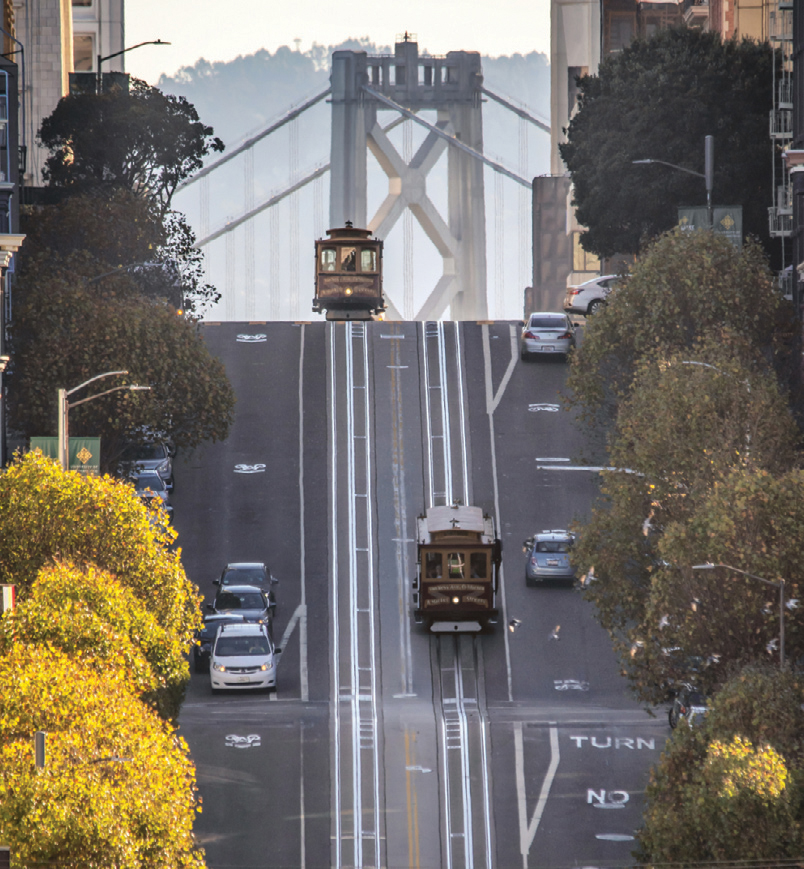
column 243, row 656
column 149, row 485
column 547, row 333
column 248, row 601
column 153, row 456
column 249, row 573
column 590, row 296
column 205, row 638
column 549, row 556
column 689, row 705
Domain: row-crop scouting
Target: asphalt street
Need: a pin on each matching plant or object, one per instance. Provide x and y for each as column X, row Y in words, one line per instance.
column 324, row 472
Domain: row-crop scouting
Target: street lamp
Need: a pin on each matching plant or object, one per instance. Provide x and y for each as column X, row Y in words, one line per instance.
column 123, row 51
column 774, row 582
column 708, row 174
column 64, row 408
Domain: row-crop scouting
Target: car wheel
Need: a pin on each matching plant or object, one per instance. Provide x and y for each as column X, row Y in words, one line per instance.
column 595, row 306
column 529, row 581
column 672, row 717
column 524, row 355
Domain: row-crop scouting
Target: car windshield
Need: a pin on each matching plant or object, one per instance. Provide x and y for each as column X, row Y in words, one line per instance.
column 145, row 452
column 243, row 575
column 239, row 647
column 240, row 601
column 553, row 546
column 150, row 481
column 548, row 323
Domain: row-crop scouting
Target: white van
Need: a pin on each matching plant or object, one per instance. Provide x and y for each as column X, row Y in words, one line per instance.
column 243, row 657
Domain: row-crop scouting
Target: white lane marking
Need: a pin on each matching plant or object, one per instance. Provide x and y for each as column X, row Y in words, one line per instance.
column 250, row 469
column 570, row 685
column 527, row 831
column 508, row 371
column 490, row 406
column 593, row 468
column 251, row 741
column 397, row 367
column 614, row 837
column 418, row 769
column 549, row 408
column 399, row 337
column 304, row 683
column 252, row 339
column 553, row 460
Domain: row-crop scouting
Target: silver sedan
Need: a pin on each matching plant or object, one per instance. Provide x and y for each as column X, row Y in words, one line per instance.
column 547, row 333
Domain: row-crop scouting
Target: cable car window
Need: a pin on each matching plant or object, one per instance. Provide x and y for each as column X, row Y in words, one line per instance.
column 478, row 567
column 348, row 257
column 368, row 260
column 327, row 259
column 455, row 565
column 432, row 565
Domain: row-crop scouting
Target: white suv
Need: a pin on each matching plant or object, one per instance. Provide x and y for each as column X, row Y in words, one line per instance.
column 589, row 296
column 243, row 657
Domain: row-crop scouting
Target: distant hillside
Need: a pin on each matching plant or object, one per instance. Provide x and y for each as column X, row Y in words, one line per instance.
column 245, row 95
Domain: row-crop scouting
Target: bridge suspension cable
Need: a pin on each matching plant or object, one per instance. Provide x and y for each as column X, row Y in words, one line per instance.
column 542, row 125
column 252, row 141
column 455, row 143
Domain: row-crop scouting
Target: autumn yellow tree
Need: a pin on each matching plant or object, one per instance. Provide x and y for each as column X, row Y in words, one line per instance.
column 118, row 788
column 87, row 612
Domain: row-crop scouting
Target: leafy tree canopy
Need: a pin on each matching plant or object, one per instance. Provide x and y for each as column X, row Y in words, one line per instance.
column 46, row 513
column 118, row 790
column 88, row 614
column 140, row 139
column 740, row 771
column 658, row 99
column 66, row 331
column 684, row 287
column 115, row 233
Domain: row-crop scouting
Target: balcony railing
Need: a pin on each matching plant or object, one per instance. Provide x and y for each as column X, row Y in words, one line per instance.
column 781, row 124
column 780, row 224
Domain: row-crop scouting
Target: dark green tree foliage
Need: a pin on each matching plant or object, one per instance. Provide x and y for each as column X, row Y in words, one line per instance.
column 141, row 139
column 687, row 285
column 66, row 330
column 658, row 99
column 732, row 789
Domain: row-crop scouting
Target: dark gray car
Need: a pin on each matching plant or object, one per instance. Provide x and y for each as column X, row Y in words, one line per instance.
column 248, row 601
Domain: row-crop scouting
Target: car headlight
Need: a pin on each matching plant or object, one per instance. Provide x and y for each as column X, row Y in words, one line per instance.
column 162, row 466
column 267, row 667
column 221, row 668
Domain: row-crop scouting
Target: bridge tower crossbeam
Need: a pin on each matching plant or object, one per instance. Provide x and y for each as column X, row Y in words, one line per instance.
column 362, row 85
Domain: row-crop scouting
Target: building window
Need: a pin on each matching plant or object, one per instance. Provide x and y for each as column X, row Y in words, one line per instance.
column 83, row 52
column 82, row 2
column 582, row 260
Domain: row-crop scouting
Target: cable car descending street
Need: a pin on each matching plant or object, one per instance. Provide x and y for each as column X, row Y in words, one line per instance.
column 348, row 275
column 458, row 570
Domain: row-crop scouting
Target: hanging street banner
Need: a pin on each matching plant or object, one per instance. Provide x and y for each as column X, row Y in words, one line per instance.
column 84, row 453
column 726, row 220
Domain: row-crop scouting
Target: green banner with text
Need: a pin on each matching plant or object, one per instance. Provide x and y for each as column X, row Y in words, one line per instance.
column 84, row 453
column 726, row 220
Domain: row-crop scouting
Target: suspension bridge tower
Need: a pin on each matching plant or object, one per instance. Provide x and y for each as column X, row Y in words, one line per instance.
column 363, row 85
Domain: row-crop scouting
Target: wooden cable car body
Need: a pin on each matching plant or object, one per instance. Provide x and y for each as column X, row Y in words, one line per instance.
column 458, row 569
column 348, row 275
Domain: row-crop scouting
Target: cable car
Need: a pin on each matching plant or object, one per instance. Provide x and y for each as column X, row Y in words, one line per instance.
column 348, row 274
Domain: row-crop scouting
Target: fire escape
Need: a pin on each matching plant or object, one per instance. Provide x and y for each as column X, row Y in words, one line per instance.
column 780, row 214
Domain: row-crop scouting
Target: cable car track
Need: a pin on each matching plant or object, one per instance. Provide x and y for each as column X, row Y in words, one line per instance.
column 456, row 660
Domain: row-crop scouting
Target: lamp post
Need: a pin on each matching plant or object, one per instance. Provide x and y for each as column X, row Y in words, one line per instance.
column 123, row 51
column 708, row 174
column 64, row 408
column 774, row 582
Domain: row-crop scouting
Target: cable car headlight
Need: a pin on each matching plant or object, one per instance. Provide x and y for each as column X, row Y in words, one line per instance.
column 456, row 600
column 348, row 291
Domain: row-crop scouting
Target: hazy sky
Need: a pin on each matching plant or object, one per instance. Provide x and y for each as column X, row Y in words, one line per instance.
column 222, row 31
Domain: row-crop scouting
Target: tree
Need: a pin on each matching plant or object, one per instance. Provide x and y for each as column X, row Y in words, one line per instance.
column 657, row 99
column 684, row 287
column 692, row 421
column 46, row 512
column 66, row 330
column 139, row 139
column 118, row 790
column 742, row 770
column 86, row 613
column 111, row 234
